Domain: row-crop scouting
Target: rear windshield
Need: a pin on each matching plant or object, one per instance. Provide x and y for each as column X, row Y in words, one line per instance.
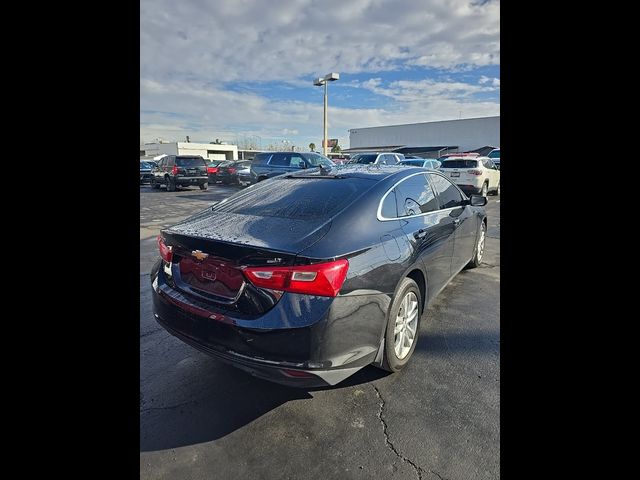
column 365, row 158
column 296, row 198
column 418, row 163
column 189, row 161
column 459, row 164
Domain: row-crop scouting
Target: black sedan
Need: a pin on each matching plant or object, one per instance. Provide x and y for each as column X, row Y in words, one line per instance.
column 228, row 172
column 308, row 277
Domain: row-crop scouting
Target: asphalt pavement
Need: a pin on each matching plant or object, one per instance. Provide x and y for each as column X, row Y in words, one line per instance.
column 439, row 418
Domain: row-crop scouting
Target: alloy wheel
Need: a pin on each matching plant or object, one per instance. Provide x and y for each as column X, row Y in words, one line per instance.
column 406, row 325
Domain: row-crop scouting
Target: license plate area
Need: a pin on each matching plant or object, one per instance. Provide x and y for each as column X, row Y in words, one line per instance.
column 455, row 174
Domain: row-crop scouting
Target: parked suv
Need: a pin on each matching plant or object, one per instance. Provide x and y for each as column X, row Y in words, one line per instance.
column 271, row 164
column 377, row 158
column 180, row 170
column 145, row 171
column 495, row 156
column 473, row 174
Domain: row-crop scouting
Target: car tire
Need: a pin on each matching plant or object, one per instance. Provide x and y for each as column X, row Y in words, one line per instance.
column 485, row 189
column 478, row 251
column 406, row 307
column 204, row 186
column 171, row 184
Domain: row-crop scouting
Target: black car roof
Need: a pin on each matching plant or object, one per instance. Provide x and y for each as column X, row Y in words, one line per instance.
column 351, row 170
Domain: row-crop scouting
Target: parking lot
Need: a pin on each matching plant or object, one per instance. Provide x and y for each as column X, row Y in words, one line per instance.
column 437, row 419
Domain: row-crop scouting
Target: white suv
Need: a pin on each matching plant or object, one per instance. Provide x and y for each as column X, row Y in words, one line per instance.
column 474, row 175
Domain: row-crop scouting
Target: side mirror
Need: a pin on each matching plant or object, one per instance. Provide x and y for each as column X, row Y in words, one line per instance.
column 477, row 201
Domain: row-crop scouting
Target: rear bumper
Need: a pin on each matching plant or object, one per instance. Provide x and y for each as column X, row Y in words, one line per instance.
column 303, row 341
column 191, row 180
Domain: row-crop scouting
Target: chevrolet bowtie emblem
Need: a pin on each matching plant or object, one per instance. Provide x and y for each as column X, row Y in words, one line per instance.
column 199, row 255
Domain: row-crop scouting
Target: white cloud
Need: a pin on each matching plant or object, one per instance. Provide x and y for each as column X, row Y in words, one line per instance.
column 231, row 40
column 209, row 112
column 191, row 52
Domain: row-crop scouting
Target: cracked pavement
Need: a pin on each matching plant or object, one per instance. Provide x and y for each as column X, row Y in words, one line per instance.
column 437, row 419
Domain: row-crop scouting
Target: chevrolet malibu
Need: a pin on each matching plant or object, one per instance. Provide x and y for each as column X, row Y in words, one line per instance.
column 306, row 278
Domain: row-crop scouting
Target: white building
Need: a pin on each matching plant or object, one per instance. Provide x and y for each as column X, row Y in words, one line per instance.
column 208, row 151
column 428, row 137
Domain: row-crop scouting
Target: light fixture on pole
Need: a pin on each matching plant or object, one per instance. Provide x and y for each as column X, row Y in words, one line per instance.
column 329, row 77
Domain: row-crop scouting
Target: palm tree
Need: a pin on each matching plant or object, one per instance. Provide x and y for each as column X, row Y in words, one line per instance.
column 312, row 147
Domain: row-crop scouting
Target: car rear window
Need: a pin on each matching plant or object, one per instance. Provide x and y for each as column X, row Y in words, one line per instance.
column 189, row 161
column 459, row 164
column 296, row 198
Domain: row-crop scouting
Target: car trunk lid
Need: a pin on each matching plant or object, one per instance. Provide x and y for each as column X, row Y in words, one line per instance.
column 211, row 249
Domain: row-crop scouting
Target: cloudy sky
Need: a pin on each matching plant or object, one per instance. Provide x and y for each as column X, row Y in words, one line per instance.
column 243, row 70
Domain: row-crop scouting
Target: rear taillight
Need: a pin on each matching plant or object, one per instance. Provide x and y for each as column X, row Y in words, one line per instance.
column 212, row 169
column 175, row 170
column 324, row 279
column 232, row 170
column 474, row 172
column 166, row 251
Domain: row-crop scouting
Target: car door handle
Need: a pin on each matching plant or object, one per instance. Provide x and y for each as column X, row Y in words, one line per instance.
column 420, row 234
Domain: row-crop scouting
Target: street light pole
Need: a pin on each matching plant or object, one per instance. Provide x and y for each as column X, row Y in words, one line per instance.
column 325, row 120
column 324, row 81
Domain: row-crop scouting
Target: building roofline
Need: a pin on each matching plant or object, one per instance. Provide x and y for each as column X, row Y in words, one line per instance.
column 422, row 123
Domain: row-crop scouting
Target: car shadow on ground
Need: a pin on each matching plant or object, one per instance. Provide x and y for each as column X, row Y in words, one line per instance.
column 231, row 399
column 228, row 398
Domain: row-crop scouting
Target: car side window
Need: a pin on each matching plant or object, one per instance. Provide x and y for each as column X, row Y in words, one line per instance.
column 448, row 194
column 296, row 161
column 389, row 159
column 389, row 209
column 279, row 160
column 415, row 196
column 170, row 161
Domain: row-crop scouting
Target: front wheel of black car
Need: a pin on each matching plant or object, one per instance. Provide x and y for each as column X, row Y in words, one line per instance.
column 403, row 325
column 479, row 250
column 204, row 186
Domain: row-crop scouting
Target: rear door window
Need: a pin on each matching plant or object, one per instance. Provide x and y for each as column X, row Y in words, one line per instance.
column 448, row 194
column 279, row 160
column 389, row 209
column 415, row 196
column 189, row 162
